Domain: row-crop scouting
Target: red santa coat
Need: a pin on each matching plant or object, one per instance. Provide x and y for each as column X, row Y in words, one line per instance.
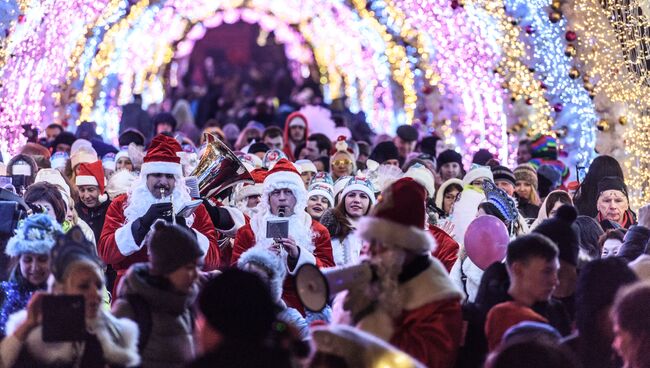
column 117, row 247
column 430, row 326
column 447, row 248
column 321, row 257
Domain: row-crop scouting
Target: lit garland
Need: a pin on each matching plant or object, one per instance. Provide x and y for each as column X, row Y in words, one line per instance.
column 605, row 34
column 575, row 115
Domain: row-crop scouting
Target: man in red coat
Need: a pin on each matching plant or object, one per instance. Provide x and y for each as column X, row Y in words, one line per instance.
column 284, row 197
column 130, row 216
column 413, row 304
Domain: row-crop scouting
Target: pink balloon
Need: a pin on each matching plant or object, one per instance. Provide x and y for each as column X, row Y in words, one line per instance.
column 486, row 241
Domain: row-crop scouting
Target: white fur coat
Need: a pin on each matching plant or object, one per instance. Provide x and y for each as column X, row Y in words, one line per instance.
column 123, row 352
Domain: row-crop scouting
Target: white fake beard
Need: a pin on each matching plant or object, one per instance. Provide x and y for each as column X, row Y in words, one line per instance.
column 299, row 229
column 140, row 199
column 248, row 211
column 388, row 266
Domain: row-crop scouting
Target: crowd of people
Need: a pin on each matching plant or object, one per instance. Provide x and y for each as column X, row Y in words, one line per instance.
column 173, row 278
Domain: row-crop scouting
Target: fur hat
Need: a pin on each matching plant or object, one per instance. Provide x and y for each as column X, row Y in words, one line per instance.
column 527, row 173
column 120, row 182
column 448, row 156
column 35, row 234
column 476, row 172
column 359, row 349
column 274, row 266
column 502, row 173
column 162, row 157
column 123, row 152
column 53, row 176
column 384, row 151
column 170, row 247
column 482, row 156
column 398, row 218
column 423, row 176
column 560, row 229
column 63, row 138
column 407, row 133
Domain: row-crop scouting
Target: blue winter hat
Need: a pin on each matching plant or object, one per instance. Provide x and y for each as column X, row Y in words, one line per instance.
column 35, row 234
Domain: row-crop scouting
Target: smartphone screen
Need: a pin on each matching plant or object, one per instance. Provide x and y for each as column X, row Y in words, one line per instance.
column 581, row 172
column 64, row 318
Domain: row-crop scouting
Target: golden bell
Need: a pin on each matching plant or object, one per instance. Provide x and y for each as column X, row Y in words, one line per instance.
column 574, row 73
column 622, row 120
column 603, row 125
column 556, row 5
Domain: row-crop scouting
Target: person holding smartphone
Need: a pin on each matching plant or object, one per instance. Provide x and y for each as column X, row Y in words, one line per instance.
column 284, row 199
column 91, row 337
column 29, row 250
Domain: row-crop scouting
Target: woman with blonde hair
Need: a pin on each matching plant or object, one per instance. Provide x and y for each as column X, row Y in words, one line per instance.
column 526, row 191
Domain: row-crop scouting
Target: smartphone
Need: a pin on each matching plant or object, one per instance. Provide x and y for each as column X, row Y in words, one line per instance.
column 64, row 318
column 581, row 172
column 189, row 208
column 277, row 229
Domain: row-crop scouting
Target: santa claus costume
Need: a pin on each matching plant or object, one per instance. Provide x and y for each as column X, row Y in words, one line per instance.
column 417, row 308
column 312, row 238
column 117, row 245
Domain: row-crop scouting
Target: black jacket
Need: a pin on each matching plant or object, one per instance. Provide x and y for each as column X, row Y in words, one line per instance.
column 94, row 217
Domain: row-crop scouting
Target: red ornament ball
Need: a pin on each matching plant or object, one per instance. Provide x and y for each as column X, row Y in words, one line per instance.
column 571, row 36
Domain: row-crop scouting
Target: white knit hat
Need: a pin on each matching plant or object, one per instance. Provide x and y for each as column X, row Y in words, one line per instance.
column 360, row 184
column 340, row 184
column 306, row 166
column 423, row 176
column 476, row 172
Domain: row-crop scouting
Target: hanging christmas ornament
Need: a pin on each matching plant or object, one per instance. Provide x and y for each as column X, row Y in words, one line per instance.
column 558, row 107
column 622, row 120
column 570, row 51
column 555, row 17
column 556, row 5
column 603, row 125
column 571, row 36
column 529, row 29
column 574, row 73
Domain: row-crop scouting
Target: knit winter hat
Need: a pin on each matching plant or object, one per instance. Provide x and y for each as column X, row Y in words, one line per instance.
column 83, row 154
column 306, row 166
column 477, row 172
column 64, row 138
column 527, row 173
column 362, row 184
column 129, row 136
column 35, row 234
column 238, row 305
column 560, row 229
column 273, row 264
column 502, row 173
column 59, row 159
column 501, row 200
column 340, row 184
column 423, row 176
column 170, row 247
column 384, row 151
column 448, row 156
column 322, row 184
column 397, row 220
column 272, row 157
column 162, row 157
column 543, row 147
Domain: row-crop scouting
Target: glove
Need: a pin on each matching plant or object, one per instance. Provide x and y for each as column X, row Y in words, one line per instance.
column 213, row 211
column 157, row 211
column 141, row 226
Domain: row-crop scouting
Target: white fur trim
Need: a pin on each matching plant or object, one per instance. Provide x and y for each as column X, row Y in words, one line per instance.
column 125, row 242
column 122, row 153
column 305, row 257
column 441, row 191
column 161, row 168
column 378, row 323
column 238, row 219
column 249, row 190
column 123, row 352
column 86, row 180
column 283, row 179
column 203, row 241
column 393, row 234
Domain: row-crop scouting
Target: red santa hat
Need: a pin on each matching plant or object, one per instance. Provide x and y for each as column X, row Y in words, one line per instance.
column 398, row 218
column 285, row 175
column 92, row 174
column 257, row 188
column 162, row 157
